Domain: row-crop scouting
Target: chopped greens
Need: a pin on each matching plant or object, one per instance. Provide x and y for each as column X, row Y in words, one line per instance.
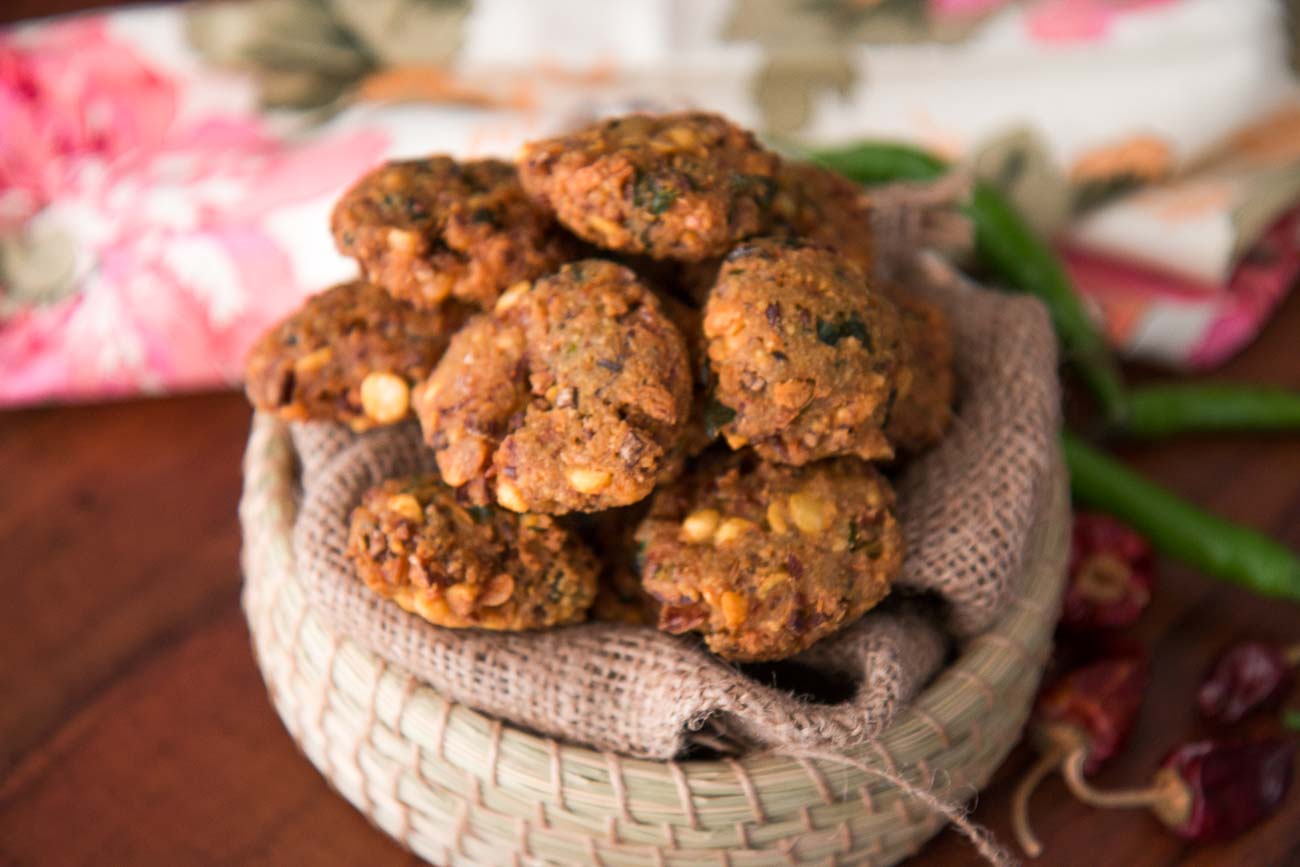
column 716, row 416
column 480, row 514
column 648, row 194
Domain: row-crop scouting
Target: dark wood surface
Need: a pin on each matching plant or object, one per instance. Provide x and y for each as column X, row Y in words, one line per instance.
column 135, row 729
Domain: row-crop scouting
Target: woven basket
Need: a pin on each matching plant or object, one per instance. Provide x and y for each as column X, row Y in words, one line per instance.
column 458, row 787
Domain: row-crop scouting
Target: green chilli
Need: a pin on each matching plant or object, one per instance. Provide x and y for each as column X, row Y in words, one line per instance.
column 1162, row 410
column 1177, row 528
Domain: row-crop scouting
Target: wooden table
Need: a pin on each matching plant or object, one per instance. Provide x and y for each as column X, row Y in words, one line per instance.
column 134, row 727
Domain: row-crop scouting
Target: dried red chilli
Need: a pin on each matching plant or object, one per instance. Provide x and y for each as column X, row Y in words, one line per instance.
column 1084, row 717
column 1111, row 574
column 1205, row 790
column 1091, row 710
column 1245, row 677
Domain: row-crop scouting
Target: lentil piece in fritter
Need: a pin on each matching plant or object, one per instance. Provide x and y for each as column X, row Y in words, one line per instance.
column 805, row 353
column 431, row 229
column 766, row 559
column 673, row 186
column 572, row 395
column 468, row 566
column 349, row 354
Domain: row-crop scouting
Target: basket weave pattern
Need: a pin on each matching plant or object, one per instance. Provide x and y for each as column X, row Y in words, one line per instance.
column 458, row 787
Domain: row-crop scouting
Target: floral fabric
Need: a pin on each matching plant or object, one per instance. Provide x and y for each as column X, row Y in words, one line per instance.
column 166, row 172
column 142, row 205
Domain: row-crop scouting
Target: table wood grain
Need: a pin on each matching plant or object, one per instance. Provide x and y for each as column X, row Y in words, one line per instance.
column 135, row 728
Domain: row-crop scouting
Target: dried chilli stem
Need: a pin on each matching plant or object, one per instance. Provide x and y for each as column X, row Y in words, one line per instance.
column 1072, row 771
column 1020, row 825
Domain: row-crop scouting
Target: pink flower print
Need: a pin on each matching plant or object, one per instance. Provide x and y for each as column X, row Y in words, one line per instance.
column 1078, row 20
column 142, row 247
column 182, row 273
column 70, row 94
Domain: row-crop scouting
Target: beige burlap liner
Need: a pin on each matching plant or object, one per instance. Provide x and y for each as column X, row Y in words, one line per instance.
column 966, row 507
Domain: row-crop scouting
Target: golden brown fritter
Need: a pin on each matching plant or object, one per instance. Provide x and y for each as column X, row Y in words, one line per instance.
column 766, row 559
column 571, row 395
column 435, row 228
column 349, row 354
column 805, row 353
column 810, row 203
column 674, row 186
column 826, row 208
column 922, row 407
column 476, row 566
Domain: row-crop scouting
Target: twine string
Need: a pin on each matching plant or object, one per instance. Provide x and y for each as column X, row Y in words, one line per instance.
column 979, row 836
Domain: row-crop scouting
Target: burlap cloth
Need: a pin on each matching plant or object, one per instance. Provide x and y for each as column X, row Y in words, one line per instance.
column 966, row 508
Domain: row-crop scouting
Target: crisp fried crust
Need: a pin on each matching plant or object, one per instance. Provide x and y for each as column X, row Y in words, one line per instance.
column 478, row 566
column 675, row 186
column 766, row 559
column 805, row 353
column 350, row 354
column 571, row 396
column 809, row 203
column 922, row 411
column 435, row 228
column 823, row 207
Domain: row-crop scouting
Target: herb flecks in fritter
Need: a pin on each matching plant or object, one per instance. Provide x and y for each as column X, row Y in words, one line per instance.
column 435, row 228
column 469, row 566
column 805, row 352
column 572, row 395
column 764, row 559
column 350, row 354
column 674, row 186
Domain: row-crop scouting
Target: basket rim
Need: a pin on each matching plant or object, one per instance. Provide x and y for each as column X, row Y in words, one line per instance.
column 952, row 693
